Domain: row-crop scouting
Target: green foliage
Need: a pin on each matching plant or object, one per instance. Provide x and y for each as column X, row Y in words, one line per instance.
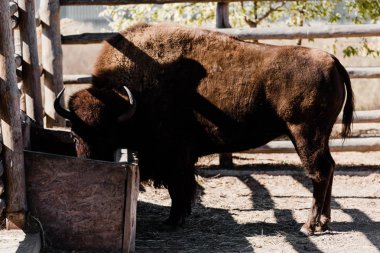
column 253, row 14
column 120, row 17
column 350, row 51
column 313, row 11
column 363, row 11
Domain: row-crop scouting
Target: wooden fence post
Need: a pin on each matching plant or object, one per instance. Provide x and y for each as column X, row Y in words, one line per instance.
column 13, row 151
column 222, row 21
column 51, row 58
column 30, row 64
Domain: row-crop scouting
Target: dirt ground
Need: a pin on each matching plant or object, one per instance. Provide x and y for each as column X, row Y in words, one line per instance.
column 260, row 205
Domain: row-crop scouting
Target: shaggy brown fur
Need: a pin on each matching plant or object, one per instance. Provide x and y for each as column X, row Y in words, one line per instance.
column 200, row 92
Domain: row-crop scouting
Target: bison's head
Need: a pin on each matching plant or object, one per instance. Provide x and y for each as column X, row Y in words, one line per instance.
column 98, row 119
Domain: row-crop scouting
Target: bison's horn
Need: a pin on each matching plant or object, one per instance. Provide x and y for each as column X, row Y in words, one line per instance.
column 59, row 109
column 131, row 111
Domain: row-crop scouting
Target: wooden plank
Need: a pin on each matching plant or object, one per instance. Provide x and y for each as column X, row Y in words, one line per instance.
column 305, row 32
column 11, row 125
column 86, row 38
column 281, row 170
column 336, row 145
column 18, row 51
column 371, row 116
column 226, row 160
column 332, row 31
column 120, row 2
column 132, row 191
column 364, row 72
column 79, row 202
column 222, row 19
column 51, row 58
column 30, row 65
column 77, row 79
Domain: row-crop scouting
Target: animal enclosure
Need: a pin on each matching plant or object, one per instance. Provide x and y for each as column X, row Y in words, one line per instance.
column 50, row 175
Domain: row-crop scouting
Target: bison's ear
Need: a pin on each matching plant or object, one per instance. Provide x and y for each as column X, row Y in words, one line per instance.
column 59, row 109
column 131, row 110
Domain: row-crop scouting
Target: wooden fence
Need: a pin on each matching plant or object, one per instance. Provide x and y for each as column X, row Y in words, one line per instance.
column 222, row 25
column 13, row 142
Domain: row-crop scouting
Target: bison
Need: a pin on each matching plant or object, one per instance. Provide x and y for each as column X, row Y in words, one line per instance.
column 174, row 94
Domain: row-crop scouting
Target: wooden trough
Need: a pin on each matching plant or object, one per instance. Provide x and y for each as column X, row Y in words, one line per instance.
column 81, row 204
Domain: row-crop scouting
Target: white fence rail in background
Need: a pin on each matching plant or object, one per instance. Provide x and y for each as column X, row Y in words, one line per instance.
column 335, row 31
column 336, row 145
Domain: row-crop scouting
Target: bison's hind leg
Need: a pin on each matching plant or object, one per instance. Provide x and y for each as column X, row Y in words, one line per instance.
column 326, row 212
column 311, row 143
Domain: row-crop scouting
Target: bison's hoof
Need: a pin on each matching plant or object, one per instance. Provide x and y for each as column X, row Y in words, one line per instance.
column 306, row 230
column 322, row 228
column 166, row 227
column 172, row 224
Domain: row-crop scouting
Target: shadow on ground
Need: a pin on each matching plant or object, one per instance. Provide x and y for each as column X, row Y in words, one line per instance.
column 216, row 230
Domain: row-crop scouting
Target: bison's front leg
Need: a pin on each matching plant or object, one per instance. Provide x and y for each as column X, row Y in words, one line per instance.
column 181, row 186
column 173, row 168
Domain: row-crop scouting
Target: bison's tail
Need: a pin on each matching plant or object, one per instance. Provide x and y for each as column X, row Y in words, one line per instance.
column 349, row 107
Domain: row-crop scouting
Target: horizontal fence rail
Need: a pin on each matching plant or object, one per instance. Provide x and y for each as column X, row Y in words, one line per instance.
column 335, row 31
column 86, row 38
column 364, row 72
column 120, row 2
column 372, row 72
column 336, row 145
column 332, row 31
column 77, row 79
column 372, row 116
